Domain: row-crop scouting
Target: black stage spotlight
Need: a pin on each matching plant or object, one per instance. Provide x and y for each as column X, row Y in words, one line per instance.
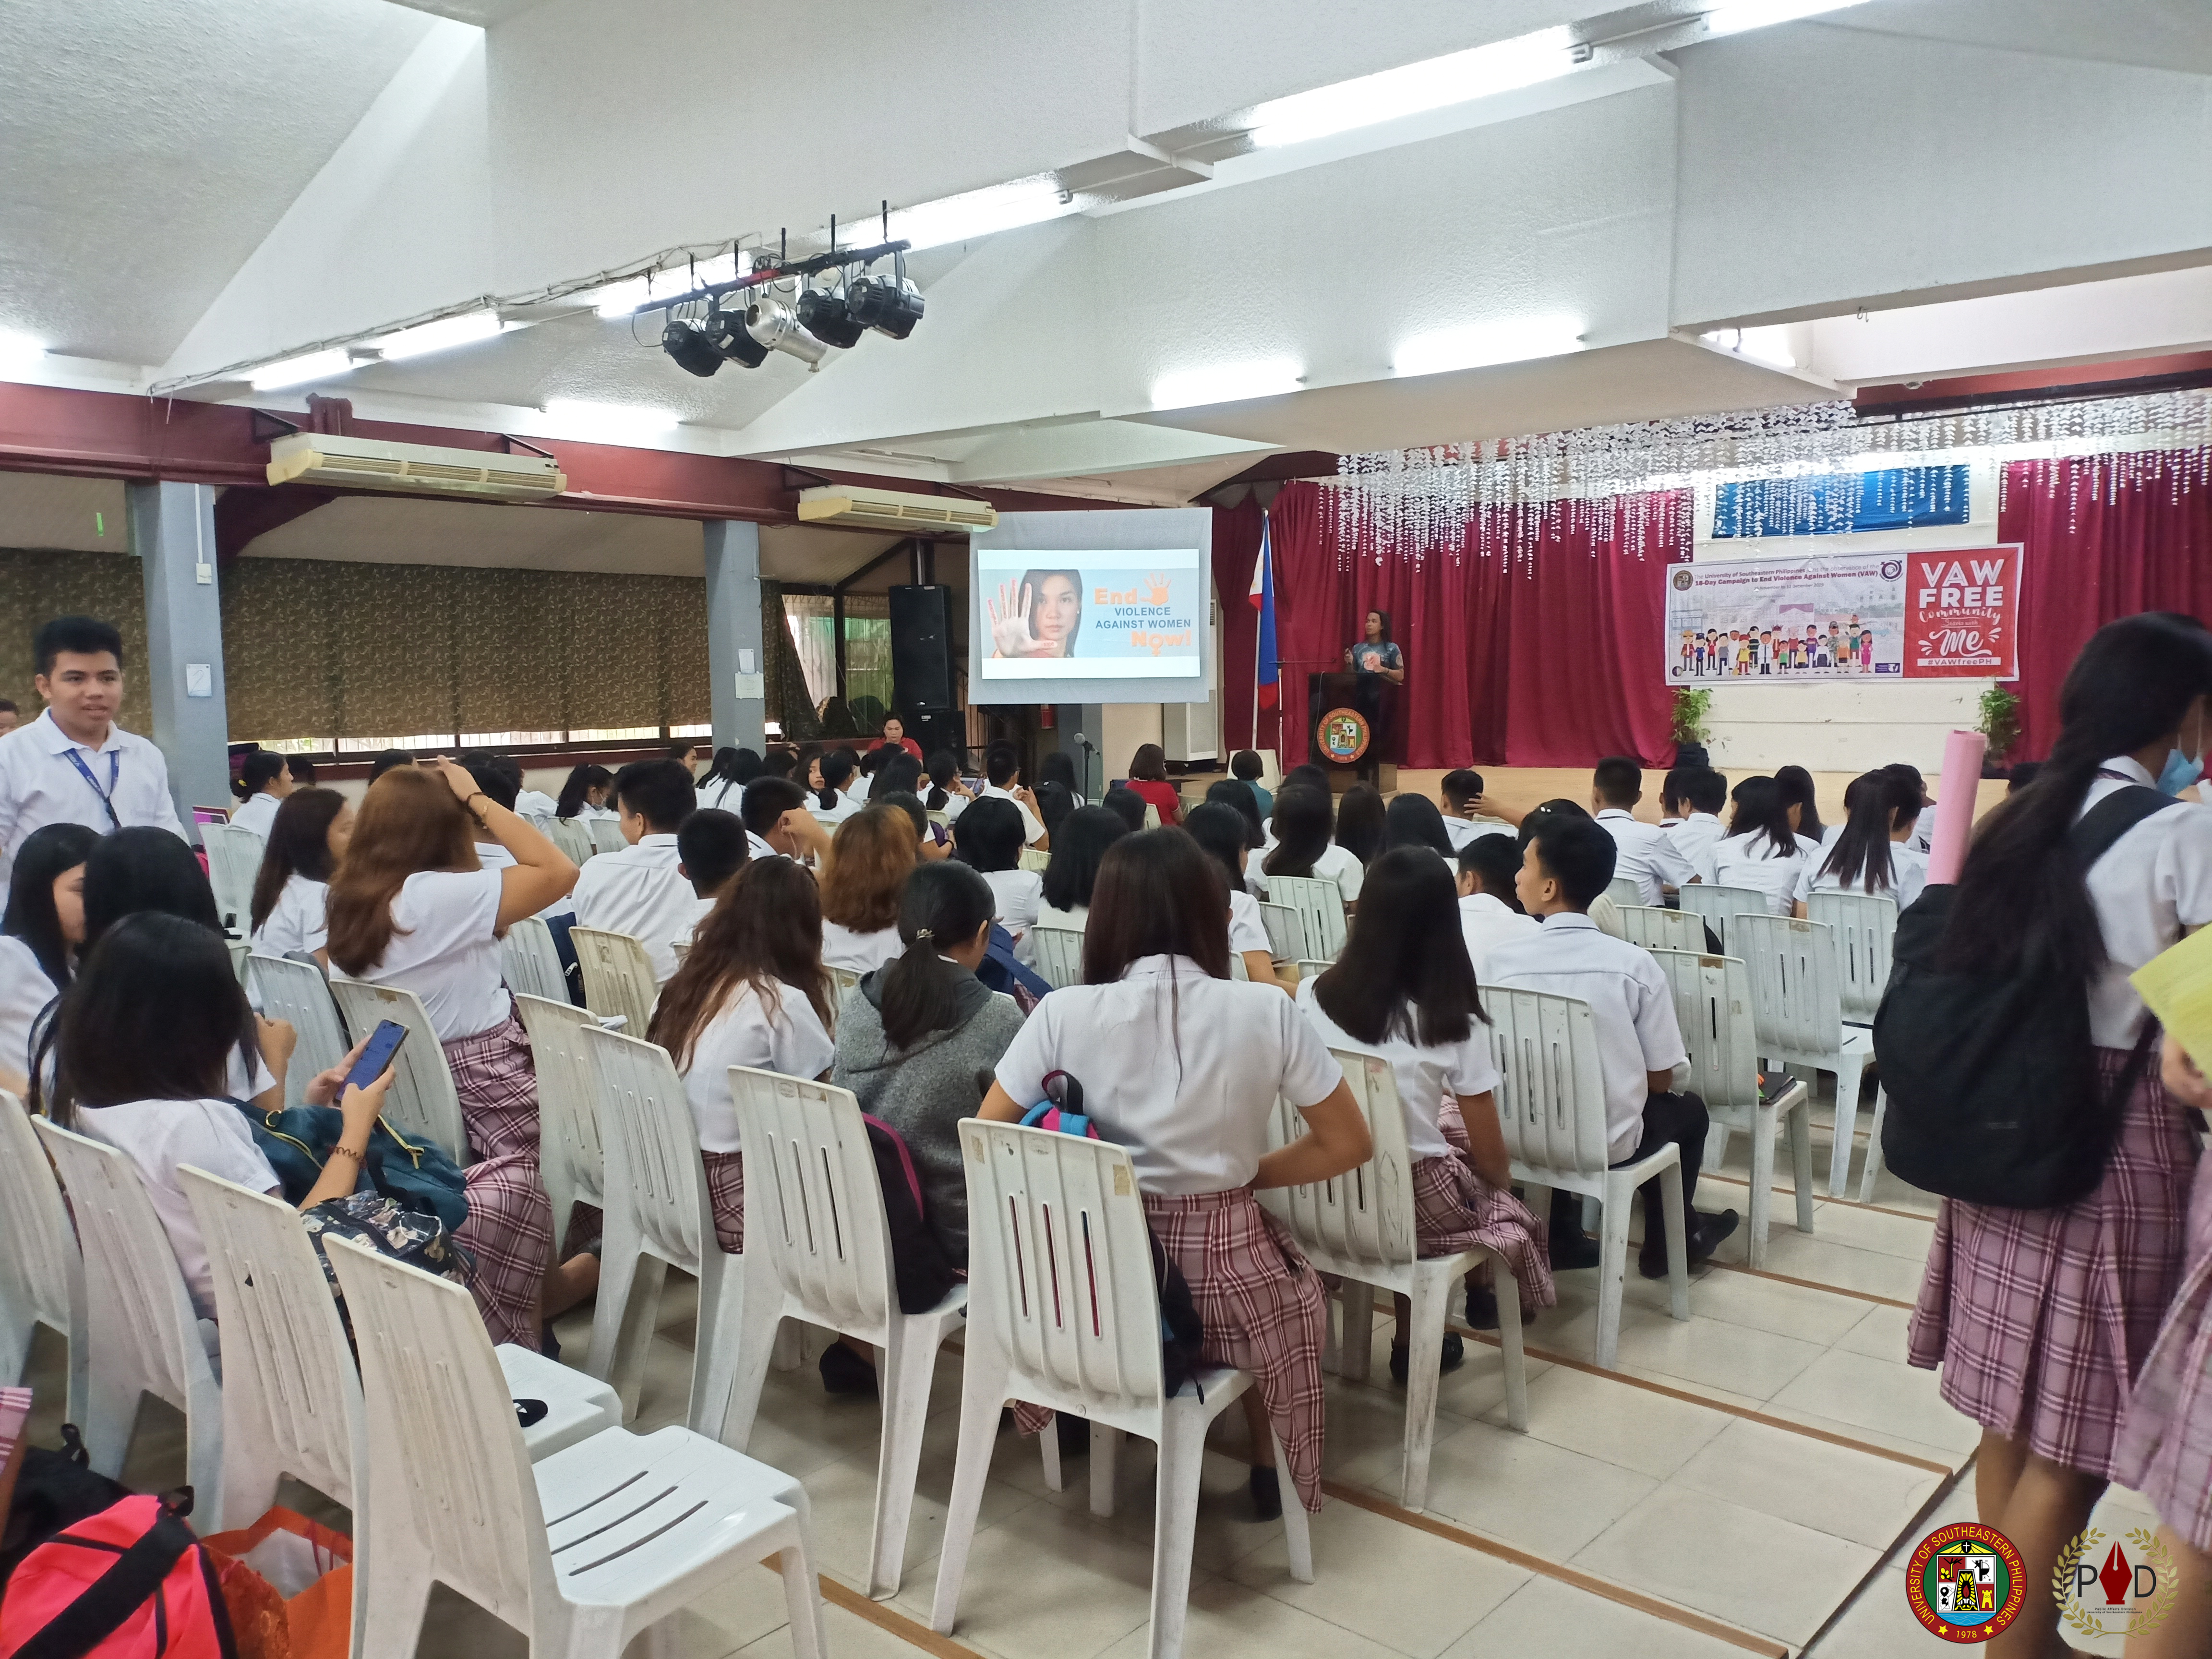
column 690, row 348
column 888, row 305
column 823, row 313
column 727, row 333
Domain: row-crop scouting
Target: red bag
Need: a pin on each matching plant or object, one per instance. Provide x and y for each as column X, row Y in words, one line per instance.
column 289, row 1584
column 129, row 1583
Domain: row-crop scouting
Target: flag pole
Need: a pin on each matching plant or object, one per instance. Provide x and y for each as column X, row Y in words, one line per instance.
column 1258, row 622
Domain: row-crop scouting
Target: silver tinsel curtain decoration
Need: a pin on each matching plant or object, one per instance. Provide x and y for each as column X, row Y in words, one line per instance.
column 1512, row 492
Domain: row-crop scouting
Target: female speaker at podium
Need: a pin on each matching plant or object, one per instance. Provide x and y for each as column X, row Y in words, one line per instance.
column 1381, row 667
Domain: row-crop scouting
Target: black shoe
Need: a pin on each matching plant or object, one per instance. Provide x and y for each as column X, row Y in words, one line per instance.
column 1266, row 1495
column 1482, row 1307
column 1572, row 1250
column 1451, row 1357
column 1074, row 1434
column 548, row 1344
column 1706, row 1232
column 844, row 1371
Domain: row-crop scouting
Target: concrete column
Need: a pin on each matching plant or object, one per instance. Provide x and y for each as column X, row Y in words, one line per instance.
column 734, row 657
column 173, row 532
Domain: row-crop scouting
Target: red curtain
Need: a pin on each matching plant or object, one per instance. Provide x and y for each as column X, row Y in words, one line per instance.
column 1236, row 550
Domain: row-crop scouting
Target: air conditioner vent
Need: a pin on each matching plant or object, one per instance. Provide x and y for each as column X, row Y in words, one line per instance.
column 322, row 458
column 892, row 509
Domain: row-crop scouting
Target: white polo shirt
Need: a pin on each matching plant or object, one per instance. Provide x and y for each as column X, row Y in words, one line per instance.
column 1752, row 860
column 1908, row 871
column 756, row 847
column 1630, row 1002
column 1486, row 923
column 25, row 993
column 256, row 812
column 1247, row 931
column 1695, row 833
column 845, row 807
column 638, row 891
column 1647, row 855
column 297, row 921
column 1424, row 1075
column 1181, row 1068
column 39, row 785
column 2155, row 883
column 1464, row 830
column 535, row 803
column 1032, row 829
column 1338, row 864
column 863, row 953
column 444, row 949
column 1017, row 896
column 787, row 1037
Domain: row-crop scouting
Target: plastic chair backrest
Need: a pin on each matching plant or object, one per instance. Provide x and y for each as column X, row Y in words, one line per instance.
column 617, row 976
column 1717, row 905
column 574, row 839
column 288, row 1376
column 295, row 991
column 1624, row 891
column 139, row 1322
column 1318, row 903
column 530, row 964
column 1365, row 1215
column 568, row 1092
column 40, row 1264
column 422, row 1101
column 1550, row 1093
column 240, row 951
column 841, row 980
column 1658, row 929
column 445, row 1461
column 606, row 835
column 651, row 1146
column 1865, row 926
column 814, row 1207
column 1712, row 1004
column 1059, row 1264
column 1797, row 995
column 1151, row 816
column 1059, row 953
column 1286, row 934
column 233, row 862
column 1033, row 857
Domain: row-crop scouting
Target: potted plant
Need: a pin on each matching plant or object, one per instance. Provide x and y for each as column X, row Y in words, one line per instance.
column 1998, row 721
column 1689, row 731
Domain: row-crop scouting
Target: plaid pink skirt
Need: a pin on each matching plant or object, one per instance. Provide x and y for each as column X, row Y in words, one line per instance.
column 498, row 1085
column 725, row 1187
column 1454, row 1210
column 2165, row 1448
column 2040, row 1319
column 510, row 1232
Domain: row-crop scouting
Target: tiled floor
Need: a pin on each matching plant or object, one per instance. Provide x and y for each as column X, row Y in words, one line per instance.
column 1749, row 1481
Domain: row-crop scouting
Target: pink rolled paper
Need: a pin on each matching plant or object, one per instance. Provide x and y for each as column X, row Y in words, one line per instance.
column 1954, row 806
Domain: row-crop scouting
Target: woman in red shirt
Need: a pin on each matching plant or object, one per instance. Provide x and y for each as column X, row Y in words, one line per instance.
column 1148, row 778
column 894, row 737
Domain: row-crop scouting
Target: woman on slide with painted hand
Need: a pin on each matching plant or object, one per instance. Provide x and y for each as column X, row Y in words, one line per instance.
column 1038, row 615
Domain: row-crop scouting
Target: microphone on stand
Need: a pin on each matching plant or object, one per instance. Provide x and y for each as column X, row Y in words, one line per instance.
column 1090, row 749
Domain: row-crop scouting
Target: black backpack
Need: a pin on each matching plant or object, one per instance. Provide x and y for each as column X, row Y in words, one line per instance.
column 1994, row 1096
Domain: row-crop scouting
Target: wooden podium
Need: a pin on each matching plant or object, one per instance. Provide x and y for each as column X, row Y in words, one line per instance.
column 1341, row 689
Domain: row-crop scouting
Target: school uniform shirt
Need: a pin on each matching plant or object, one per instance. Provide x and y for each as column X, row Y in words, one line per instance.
column 1424, row 1074
column 1051, row 915
column 845, row 807
column 1336, row 863
column 638, row 891
column 1032, row 827
column 1464, row 830
column 858, row 789
column 756, row 847
column 1752, row 860
column 729, row 795
column 159, row 1135
column 256, row 812
column 783, row 1034
column 25, row 992
column 1696, row 833
column 861, row 952
column 535, row 803
column 953, row 807
column 297, row 921
column 1016, row 896
column 444, row 950
column 1247, row 931
column 1908, row 875
column 1632, row 1008
column 493, row 856
column 39, row 785
column 1181, row 1068
column 1486, row 923
column 2154, row 883
column 1647, row 855
column 587, row 812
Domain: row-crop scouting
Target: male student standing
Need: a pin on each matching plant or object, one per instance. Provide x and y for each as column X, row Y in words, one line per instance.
column 1566, row 867
column 1649, row 856
column 640, row 891
column 73, row 764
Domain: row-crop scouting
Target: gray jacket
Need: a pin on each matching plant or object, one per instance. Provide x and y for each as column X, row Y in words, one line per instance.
column 924, row 1093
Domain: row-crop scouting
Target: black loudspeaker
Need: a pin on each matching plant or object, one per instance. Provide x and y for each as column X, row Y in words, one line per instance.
column 921, row 650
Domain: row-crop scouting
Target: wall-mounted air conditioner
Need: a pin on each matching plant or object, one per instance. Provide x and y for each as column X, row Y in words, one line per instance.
column 371, row 464
column 891, row 509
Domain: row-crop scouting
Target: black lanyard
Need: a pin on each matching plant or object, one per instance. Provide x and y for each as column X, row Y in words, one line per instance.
column 108, row 795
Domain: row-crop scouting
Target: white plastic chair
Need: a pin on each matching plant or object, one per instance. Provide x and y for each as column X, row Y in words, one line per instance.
column 1656, row 929
column 422, row 1101
column 1033, row 857
column 1718, row 905
column 617, row 975
column 606, row 835
column 141, row 1334
column 583, row 1552
column 574, row 839
column 1797, row 1005
column 568, row 1153
column 240, row 952
column 659, row 1215
column 1551, row 1100
column 530, row 964
column 1864, row 925
column 234, row 858
column 1359, row 1226
column 296, row 992
column 1319, row 904
column 817, row 1248
column 1062, row 1313
column 1625, row 891
column 1059, row 954
column 41, row 1269
column 841, row 980
column 1712, row 1004
column 1286, row 934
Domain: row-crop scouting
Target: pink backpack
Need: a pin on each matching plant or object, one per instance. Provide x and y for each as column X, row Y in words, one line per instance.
column 129, row 1583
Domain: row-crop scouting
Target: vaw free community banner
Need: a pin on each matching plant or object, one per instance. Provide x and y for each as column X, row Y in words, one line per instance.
column 1952, row 614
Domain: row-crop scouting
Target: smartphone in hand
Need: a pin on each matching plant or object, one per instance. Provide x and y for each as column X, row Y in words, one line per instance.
column 375, row 1058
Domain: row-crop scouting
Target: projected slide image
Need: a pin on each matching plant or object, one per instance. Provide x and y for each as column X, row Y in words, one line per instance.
column 1116, row 615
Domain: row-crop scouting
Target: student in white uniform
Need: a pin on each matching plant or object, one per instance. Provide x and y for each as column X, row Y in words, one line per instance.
column 1413, row 821
column 1909, row 777
column 724, row 786
column 639, row 890
column 1490, row 913
column 306, row 841
column 40, row 934
column 1649, row 856
column 1802, row 801
column 988, row 839
column 710, row 849
column 1760, row 850
column 264, row 780
column 1002, row 775
column 585, row 794
column 1221, row 831
column 1704, row 793
column 1304, row 846
column 778, row 825
column 1464, row 820
column 1183, row 1067
column 948, row 791
column 831, row 801
column 1404, row 991
column 873, row 853
column 1872, row 852
column 1077, row 850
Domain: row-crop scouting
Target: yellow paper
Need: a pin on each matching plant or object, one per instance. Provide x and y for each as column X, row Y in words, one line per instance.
column 2176, row 984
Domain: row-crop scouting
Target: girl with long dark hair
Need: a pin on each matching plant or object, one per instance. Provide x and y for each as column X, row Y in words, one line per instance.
column 1183, row 1067
column 1760, row 850
column 832, row 773
column 1359, row 817
column 1221, row 832
column 1077, row 848
column 1057, row 768
column 1803, row 804
column 585, row 794
column 1304, row 847
column 948, row 793
column 306, row 841
column 987, row 839
column 1235, row 792
column 2040, row 1319
column 1872, row 852
column 1415, row 821
column 1404, row 990
column 724, row 786
column 264, row 779
column 39, row 935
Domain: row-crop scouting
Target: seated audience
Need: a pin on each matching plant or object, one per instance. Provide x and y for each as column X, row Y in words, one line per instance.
column 1148, row 779
column 585, row 794
column 1413, row 821
column 777, row 823
column 640, row 891
column 948, row 790
column 780, row 760
column 306, row 842
column 501, row 789
column 1649, row 856
column 830, row 780
column 874, row 855
column 1568, row 862
column 1184, row 1068
column 902, row 774
column 918, row 1044
column 1404, row 990
column 1247, row 767
column 264, row 779
column 1054, row 803
column 1235, row 792
column 1704, row 793
column 1490, row 913
column 1909, row 777
column 386, row 759
column 39, row 935
column 1002, row 775
column 1303, row 846
column 1359, row 817
column 1673, row 806
column 871, row 763
column 1799, row 796
column 1126, row 805
column 710, row 849
column 724, row 786
column 531, row 803
column 1058, row 768
column 1760, row 850
column 1873, row 850
column 1064, row 890
column 1222, row 833
column 927, row 844
column 894, row 737
column 988, row 839
column 1464, row 818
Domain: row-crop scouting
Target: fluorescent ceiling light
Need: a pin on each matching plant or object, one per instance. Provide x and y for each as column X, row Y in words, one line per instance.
column 620, row 299
column 298, row 371
column 440, row 336
column 1477, row 344
column 1455, row 78
column 619, row 423
column 1229, row 383
column 970, row 214
column 1738, row 15
column 19, row 351
column 1769, row 345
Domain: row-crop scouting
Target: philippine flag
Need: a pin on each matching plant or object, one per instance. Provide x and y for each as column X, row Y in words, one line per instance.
column 1266, row 672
